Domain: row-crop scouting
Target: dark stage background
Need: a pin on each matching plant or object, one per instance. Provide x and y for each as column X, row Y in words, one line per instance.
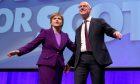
column 113, row 76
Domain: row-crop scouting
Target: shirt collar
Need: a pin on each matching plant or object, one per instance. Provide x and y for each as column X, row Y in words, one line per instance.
column 88, row 19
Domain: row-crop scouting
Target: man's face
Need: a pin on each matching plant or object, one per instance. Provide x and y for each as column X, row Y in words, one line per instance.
column 84, row 8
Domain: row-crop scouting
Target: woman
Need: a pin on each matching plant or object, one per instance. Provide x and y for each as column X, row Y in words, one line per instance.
column 54, row 41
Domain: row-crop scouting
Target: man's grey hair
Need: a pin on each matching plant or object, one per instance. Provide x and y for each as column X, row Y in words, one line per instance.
column 86, row 3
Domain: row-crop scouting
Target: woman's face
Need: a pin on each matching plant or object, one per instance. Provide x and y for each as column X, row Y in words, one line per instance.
column 56, row 21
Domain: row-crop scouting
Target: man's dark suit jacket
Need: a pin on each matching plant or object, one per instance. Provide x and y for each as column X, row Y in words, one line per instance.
column 97, row 29
column 50, row 49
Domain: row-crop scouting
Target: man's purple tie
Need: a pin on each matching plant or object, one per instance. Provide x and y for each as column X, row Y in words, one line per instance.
column 88, row 46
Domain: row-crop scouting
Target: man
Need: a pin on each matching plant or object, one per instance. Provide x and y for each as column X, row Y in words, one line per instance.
column 91, row 55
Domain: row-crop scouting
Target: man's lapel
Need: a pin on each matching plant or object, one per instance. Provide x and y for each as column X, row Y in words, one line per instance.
column 78, row 38
column 91, row 28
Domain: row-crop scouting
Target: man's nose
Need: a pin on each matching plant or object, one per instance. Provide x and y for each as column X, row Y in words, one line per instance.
column 82, row 8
